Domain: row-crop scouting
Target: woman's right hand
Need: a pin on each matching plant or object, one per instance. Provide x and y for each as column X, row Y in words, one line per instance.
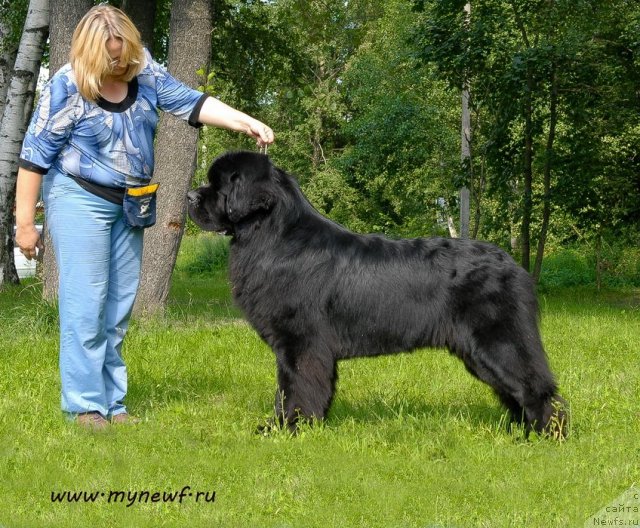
column 27, row 192
column 29, row 242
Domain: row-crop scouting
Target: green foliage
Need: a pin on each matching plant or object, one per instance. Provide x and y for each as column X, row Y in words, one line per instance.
column 204, row 254
column 401, row 154
column 351, row 106
column 568, row 268
column 12, row 17
column 364, row 98
column 330, row 193
column 160, row 51
column 622, row 266
column 576, row 265
column 508, row 52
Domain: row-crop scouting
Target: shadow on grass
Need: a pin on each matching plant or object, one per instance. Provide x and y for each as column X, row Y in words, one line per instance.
column 150, row 390
column 216, row 385
column 377, row 410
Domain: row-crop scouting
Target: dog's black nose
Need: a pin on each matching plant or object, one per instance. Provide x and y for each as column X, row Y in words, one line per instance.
column 193, row 197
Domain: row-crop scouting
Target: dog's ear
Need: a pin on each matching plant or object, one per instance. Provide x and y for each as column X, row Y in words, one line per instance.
column 248, row 197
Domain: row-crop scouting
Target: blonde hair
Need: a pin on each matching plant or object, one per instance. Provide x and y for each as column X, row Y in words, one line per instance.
column 89, row 56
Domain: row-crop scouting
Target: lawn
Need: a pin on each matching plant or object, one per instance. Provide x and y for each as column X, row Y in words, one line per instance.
column 411, row 440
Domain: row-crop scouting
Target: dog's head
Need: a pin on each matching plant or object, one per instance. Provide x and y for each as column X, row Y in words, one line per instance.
column 243, row 187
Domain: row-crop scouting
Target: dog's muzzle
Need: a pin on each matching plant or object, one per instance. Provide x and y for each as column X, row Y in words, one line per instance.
column 193, row 197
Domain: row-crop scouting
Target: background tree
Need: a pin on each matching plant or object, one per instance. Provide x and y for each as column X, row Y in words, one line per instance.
column 300, row 53
column 12, row 16
column 17, row 112
column 65, row 15
column 143, row 15
column 401, row 135
column 175, row 152
column 8, row 51
column 365, row 100
column 599, row 186
column 537, row 71
column 465, row 146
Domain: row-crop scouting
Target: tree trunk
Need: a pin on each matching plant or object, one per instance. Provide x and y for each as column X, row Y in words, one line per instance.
column 8, row 53
column 14, row 125
column 465, row 195
column 599, row 259
column 65, row 15
column 143, row 14
column 548, row 163
column 453, row 233
column 176, row 147
column 465, row 149
column 525, row 235
column 527, row 176
column 479, row 180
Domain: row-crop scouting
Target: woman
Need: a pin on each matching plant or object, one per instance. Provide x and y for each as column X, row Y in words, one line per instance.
column 91, row 136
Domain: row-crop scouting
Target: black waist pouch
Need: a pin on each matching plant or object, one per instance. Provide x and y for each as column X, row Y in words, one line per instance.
column 139, row 206
column 115, row 195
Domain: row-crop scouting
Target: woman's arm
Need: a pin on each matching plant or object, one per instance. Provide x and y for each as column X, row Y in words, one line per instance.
column 216, row 113
column 27, row 193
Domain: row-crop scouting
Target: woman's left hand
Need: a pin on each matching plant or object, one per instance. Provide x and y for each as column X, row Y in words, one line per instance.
column 216, row 113
column 261, row 133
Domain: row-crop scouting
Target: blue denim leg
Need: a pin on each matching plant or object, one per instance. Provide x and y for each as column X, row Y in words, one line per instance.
column 99, row 264
column 124, row 276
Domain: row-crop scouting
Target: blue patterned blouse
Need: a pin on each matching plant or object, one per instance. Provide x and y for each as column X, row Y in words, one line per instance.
column 109, row 144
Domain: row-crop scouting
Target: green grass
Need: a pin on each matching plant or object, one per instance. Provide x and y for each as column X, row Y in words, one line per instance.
column 411, row 441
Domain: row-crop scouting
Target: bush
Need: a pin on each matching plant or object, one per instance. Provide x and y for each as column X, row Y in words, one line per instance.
column 203, row 254
column 621, row 266
column 576, row 266
column 567, row 267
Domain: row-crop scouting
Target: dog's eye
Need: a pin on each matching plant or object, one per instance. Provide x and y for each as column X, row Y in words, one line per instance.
column 234, row 176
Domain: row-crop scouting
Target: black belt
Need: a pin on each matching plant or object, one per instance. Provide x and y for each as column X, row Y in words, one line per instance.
column 114, row 195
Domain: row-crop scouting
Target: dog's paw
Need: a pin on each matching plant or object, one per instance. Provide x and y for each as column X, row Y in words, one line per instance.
column 273, row 426
column 268, row 427
column 557, row 427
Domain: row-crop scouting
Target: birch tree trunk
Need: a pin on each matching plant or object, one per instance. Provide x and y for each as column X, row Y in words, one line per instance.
column 527, row 170
column 527, row 206
column 465, row 153
column 7, row 60
column 65, row 15
column 548, row 165
column 176, row 146
column 14, row 124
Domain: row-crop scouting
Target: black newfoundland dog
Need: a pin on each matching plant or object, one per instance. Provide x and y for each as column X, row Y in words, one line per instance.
column 318, row 293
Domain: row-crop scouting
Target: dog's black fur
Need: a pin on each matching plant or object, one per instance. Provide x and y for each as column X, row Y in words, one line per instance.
column 318, row 293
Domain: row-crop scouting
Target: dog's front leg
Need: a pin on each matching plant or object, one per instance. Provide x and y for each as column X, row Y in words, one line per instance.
column 306, row 383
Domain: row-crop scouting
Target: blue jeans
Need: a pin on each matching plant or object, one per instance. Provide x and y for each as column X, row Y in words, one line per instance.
column 99, row 265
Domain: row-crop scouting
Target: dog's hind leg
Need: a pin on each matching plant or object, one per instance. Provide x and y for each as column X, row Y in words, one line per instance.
column 544, row 410
column 504, row 387
column 524, row 384
column 516, row 412
column 548, row 415
column 305, row 388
